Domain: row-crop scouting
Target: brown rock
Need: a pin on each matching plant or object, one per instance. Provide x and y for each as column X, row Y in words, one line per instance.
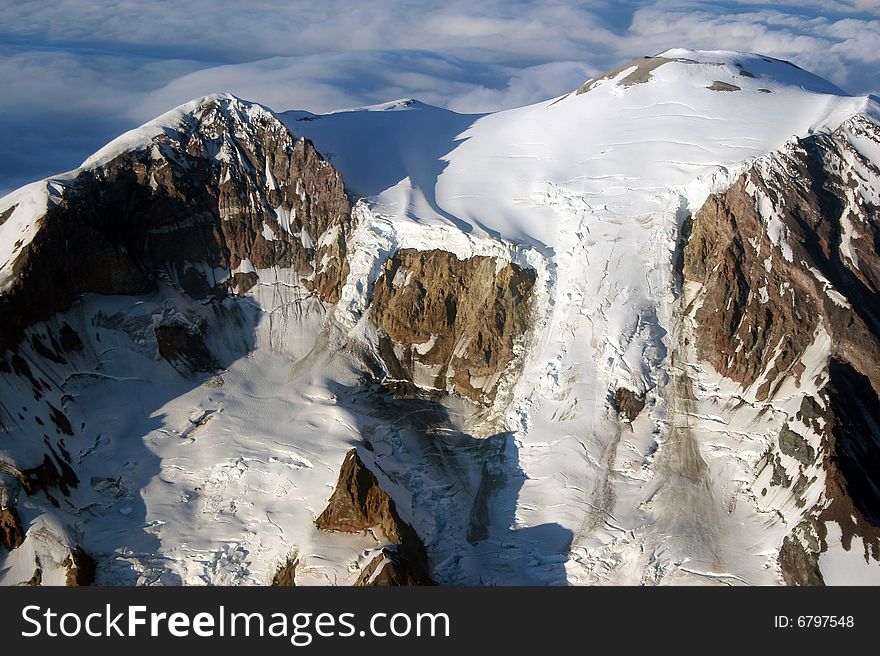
column 51, row 473
column 244, row 282
column 80, row 568
column 718, row 85
column 799, row 566
column 358, row 503
column 732, row 256
column 285, row 577
column 641, row 70
column 394, row 570
column 628, row 404
column 736, row 333
column 37, row 579
column 11, row 533
column 462, row 318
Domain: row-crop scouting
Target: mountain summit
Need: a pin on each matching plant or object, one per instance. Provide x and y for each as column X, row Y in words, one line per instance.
column 628, row 335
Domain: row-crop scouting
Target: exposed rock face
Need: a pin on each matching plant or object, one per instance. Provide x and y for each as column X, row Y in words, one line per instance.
column 795, row 257
column 628, row 404
column 205, row 207
column 358, row 503
column 453, row 325
column 793, row 444
column 718, row 85
column 52, row 473
column 80, row 568
column 37, row 579
column 799, row 565
column 392, row 568
column 285, row 577
column 70, row 341
column 784, row 263
column 5, row 214
column 11, row 533
column 639, row 73
column 229, row 188
column 786, row 259
column 183, row 346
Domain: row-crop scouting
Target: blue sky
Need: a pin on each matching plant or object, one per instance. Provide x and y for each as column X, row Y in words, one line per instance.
column 76, row 73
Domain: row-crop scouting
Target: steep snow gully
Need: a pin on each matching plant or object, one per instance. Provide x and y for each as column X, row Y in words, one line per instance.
column 623, row 336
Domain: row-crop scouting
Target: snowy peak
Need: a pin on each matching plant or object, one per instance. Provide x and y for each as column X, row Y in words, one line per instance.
column 235, row 186
column 629, row 143
column 403, row 104
column 718, row 70
column 215, row 115
column 220, row 132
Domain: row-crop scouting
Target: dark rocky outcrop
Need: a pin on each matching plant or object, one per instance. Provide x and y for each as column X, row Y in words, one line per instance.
column 57, row 417
column 737, row 333
column 11, row 533
column 849, row 435
column 718, row 85
column 80, row 568
column 794, row 445
column 393, row 568
column 52, row 473
column 5, row 214
column 70, row 341
column 285, row 577
column 856, row 412
column 799, row 566
column 183, row 346
column 37, row 579
column 359, row 504
column 628, row 404
column 460, row 319
column 853, row 458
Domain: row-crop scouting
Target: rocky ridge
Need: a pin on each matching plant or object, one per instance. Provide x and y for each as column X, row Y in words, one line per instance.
column 359, row 504
column 782, row 264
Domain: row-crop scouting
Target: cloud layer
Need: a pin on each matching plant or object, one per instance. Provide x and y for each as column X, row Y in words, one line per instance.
column 77, row 72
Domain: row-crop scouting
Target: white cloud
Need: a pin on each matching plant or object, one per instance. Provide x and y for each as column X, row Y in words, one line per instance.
column 75, row 72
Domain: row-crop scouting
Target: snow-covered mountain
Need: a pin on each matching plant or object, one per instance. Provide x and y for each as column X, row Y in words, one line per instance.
column 629, row 335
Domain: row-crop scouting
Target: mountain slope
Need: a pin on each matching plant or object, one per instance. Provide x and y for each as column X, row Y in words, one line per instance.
column 622, row 336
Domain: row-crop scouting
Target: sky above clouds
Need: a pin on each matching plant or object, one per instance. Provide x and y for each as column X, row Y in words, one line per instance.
column 76, row 73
